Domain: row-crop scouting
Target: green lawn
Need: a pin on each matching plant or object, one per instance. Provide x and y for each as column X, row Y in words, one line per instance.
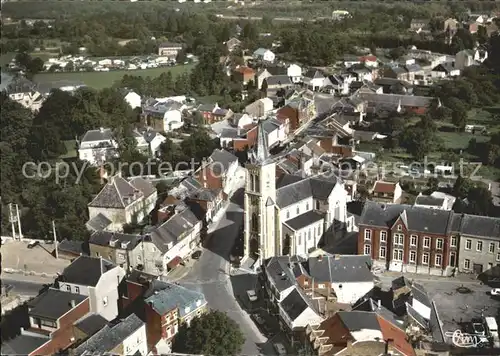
column 100, row 80
column 70, row 148
column 459, row 140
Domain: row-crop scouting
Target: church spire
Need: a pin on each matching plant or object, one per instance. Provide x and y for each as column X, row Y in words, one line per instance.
column 260, row 152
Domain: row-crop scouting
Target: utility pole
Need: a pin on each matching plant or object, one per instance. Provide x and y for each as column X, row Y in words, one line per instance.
column 19, row 222
column 12, row 220
column 55, row 237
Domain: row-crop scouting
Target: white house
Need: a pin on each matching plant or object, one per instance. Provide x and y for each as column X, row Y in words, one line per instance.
column 260, row 108
column 127, row 337
column 148, row 140
column 469, row 57
column 97, row 146
column 169, row 243
column 96, row 278
column 295, row 73
column 316, row 79
column 122, row 202
column 437, row 200
column 105, row 62
column 133, row 99
column 163, row 115
column 444, row 70
column 264, row 54
column 298, row 311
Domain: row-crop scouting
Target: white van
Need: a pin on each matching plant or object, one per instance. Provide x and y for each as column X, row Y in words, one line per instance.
column 492, row 329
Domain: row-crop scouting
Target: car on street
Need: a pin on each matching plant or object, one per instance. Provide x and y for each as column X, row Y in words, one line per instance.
column 280, row 349
column 478, row 329
column 495, row 291
column 252, row 296
column 33, row 243
column 258, row 319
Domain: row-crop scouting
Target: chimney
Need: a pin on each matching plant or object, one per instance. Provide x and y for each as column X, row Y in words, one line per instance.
column 72, row 303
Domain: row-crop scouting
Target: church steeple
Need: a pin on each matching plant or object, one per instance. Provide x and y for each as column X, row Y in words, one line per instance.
column 260, row 151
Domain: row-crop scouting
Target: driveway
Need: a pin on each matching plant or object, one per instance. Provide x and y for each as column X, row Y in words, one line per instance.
column 210, row 275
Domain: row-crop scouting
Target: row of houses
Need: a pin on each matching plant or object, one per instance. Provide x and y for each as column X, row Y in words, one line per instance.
column 97, row 307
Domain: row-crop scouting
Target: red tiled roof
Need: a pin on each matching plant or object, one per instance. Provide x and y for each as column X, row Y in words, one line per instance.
column 398, row 337
column 384, row 187
column 245, row 70
column 368, row 59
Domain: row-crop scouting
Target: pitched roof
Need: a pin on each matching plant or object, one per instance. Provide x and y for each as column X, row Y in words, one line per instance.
column 98, row 222
column 428, row 200
column 23, row 344
column 120, row 193
column 220, row 161
column 164, row 297
column 479, row 226
column 384, row 187
column 53, row 303
column 278, row 80
column 418, row 219
column 174, row 229
column 279, row 272
column 304, row 220
column 260, row 51
column 317, row 187
column 340, row 269
column 362, row 326
column 71, row 246
column 91, row 323
column 98, row 135
column 295, row 303
column 110, row 336
column 121, row 241
column 86, row 270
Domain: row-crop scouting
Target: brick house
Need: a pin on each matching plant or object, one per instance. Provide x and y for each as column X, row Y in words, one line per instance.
column 244, row 75
column 219, row 172
column 210, row 201
column 51, row 317
column 386, row 192
column 407, row 238
column 213, row 113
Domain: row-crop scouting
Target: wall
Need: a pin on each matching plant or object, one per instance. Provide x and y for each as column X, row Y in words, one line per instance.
column 117, row 216
column 172, row 120
column 136, row 342
column 148, row 255
column 107, row 287
column 74, row 288
column 351, row 292
column 308, row 237
column 291, row 211
column 483, row 258
column 421, row 309
column 153, row 326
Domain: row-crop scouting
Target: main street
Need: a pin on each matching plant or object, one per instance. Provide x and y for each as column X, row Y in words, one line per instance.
column 210, row 275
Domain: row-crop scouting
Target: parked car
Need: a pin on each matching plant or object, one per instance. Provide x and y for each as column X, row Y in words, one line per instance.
column 280, row 349
column 478, row 329
column 32, row 244
column 252, row 296
column 495, row 291
column 258, row 319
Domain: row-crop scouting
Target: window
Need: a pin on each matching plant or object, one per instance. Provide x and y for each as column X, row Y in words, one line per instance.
column 49, row 323
column 288, row 214
column 425, row 258
column 298, row 210
column 498, row 256
column 77, row 290
column 413, row 240
column 368, row 234
column 309, row 235
column 321, row 286
column 252, row 183
column 399, row 239
column 453, row 242
column 68, row 288
column 319, row 230
column 479, row 246
column 368, row 250
column 439, row 244
column 257, row 184
column 467, row 264
column 383, row 236
column 306, row 282
column 491, row 248
column 438, row 260
column 307, row 206
column 468, row 244
column 317, row 204
column 397, row 255
column 383, row 252
column 413, row 256
column 427, row 242
column 105, row 301
column 400, row 228
column 300, row 239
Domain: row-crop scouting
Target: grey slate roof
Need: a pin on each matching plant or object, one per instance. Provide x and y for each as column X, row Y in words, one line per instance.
column 91, row 323
column 419, row 293
column 418, row 219
column 53, row 303
column 74, row 247
column 229, row 133
column 164, row 297
column 120, row 193
column 359, row 320
column 340, row 269
column 223, row 160
column 395, row 99
column 412, row 68
column 22, row 345
column 480, row 226
column 304, row 220
column 122, row 241
column 314, row 74
column 428, row 200
column 174, row 229
column 110, row 336
column 98, row 222
column 443, row 67
column 282, row 80
column 295, row 304
column 279, row 272
column 86, row 270
column 98, row 135
column 317, row 187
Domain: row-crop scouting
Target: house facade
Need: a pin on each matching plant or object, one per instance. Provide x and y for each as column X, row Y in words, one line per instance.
column 213, row 113
column 263, row 54
column 148, row 141
column 259, row 108
column 163, row 116
column 115, row 247
column 386, row 192
column 169, row 49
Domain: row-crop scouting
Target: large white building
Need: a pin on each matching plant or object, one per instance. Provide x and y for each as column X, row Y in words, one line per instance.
column 288, row 216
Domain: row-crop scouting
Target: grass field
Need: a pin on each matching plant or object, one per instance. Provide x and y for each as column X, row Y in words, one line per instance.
column 100, row 80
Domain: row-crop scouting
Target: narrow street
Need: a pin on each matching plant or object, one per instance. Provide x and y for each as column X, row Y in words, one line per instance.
column 210, row 275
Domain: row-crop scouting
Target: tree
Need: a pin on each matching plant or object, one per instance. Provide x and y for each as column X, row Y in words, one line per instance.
column 213, row 333
column 461, row 187
column 432, row 184
column 459, row 119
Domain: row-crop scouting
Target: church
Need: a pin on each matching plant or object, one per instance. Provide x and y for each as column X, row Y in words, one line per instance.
column 289, row 215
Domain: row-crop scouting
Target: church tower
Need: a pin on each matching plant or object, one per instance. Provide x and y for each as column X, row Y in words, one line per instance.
column 260, row 198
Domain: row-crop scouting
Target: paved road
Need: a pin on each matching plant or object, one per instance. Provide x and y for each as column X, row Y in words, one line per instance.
column 210, row 275
column 28, row 288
